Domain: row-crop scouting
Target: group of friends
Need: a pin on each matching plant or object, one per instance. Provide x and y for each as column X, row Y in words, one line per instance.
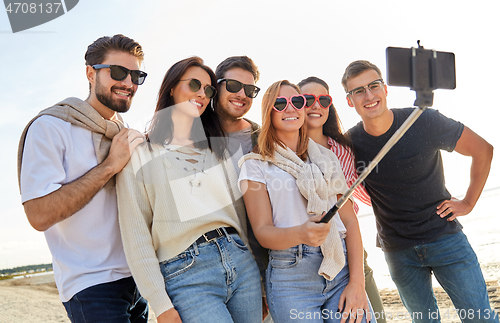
column 209, row 217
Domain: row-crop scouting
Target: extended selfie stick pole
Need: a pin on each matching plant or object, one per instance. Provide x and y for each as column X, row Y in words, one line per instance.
column 423, row 78
column 389, row 144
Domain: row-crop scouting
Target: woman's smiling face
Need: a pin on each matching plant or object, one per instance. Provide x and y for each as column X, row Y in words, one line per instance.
column 187, row 101
column 290, row 119
column 316, row 115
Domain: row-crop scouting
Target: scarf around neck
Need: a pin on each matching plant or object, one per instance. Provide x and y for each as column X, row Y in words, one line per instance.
column 81, row 114
column 316, row 181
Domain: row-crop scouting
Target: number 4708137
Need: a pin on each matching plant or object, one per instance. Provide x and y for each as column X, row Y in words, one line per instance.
column 24, row 7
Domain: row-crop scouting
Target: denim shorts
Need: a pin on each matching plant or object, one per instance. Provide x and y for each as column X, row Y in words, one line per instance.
column 216, row 281
column 295, row 290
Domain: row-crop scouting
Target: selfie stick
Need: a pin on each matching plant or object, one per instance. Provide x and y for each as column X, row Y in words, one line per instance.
column 423, row 81
column 389, row 144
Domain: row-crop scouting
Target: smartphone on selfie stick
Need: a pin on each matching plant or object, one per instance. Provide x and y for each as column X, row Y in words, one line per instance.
column 422, row 70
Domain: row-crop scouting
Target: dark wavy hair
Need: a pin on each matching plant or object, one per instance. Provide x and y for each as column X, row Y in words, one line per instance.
column 332, row 126
column 243, row 62
column 207, row 134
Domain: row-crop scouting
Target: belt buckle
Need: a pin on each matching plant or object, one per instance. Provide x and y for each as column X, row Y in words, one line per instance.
column 219, row 231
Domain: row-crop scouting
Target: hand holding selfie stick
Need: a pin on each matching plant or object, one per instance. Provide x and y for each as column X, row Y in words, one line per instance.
column 423, row 71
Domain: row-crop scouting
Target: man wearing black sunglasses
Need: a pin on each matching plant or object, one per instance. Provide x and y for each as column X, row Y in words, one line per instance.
column 68, row 156
column 236, row 78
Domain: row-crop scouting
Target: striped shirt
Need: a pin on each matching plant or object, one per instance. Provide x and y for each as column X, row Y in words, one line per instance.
column 346, row 159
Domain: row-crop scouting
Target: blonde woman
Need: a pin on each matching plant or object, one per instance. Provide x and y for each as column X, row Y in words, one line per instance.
column 315, row 271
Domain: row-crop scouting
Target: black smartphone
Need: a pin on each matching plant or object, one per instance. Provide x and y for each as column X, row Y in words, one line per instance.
column 420, row 69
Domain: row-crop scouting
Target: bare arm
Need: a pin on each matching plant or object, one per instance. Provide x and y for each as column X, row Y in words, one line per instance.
column 470, row 144
column 170, row 316
column 353, row 298
column 259, row 212
column 45, row 211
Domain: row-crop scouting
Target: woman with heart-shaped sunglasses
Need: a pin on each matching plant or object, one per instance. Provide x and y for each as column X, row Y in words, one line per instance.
column 288, row 183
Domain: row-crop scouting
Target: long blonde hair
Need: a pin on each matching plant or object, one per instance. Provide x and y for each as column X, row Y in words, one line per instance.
column 268, row 137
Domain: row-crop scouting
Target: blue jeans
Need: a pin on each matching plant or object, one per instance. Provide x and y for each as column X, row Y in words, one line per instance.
column 456, row 268
column 297, row 293
column 117, row 301
column 215, row 281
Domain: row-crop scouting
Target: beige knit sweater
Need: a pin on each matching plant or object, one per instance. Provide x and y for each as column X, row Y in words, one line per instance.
column 167, row 198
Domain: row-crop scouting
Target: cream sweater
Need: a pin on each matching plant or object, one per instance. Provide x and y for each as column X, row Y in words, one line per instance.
column 167, row 198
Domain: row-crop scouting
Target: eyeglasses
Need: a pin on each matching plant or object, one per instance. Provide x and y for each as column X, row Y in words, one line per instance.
column 234, row 86
column 119, row 73
column 360, row 92
column 297, row 101
column 195, row 86
column 324, row 100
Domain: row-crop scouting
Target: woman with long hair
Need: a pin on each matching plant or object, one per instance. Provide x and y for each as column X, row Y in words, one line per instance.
column 325, row 128
column 315, row 271
column 183, row 240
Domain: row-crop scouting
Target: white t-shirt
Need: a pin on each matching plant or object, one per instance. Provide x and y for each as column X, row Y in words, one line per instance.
column 288, row 205
column 86, row 247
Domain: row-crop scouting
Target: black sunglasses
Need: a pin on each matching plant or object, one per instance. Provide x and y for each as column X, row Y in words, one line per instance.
column 195, row 86
column 234, row 86
column 119, row 73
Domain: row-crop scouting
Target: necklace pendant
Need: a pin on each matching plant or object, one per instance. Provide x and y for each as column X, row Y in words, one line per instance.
column 194, row 183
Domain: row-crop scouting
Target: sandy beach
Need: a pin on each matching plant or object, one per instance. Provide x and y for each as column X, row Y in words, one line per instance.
column 35, row 299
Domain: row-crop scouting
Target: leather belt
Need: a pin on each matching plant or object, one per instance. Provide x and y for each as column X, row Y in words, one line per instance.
column 214, row 234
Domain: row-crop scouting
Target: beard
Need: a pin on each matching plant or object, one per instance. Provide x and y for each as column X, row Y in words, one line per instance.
column 225, row 112
column 104, row 96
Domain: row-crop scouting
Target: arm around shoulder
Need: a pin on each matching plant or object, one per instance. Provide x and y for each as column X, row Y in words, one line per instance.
column 44, row 211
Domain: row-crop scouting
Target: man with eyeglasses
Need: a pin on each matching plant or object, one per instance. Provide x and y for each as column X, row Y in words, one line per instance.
column 415, row 214
column 68, row 156
column 236, row 78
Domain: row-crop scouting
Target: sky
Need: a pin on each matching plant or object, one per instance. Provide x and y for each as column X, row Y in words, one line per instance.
column 286, row 39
